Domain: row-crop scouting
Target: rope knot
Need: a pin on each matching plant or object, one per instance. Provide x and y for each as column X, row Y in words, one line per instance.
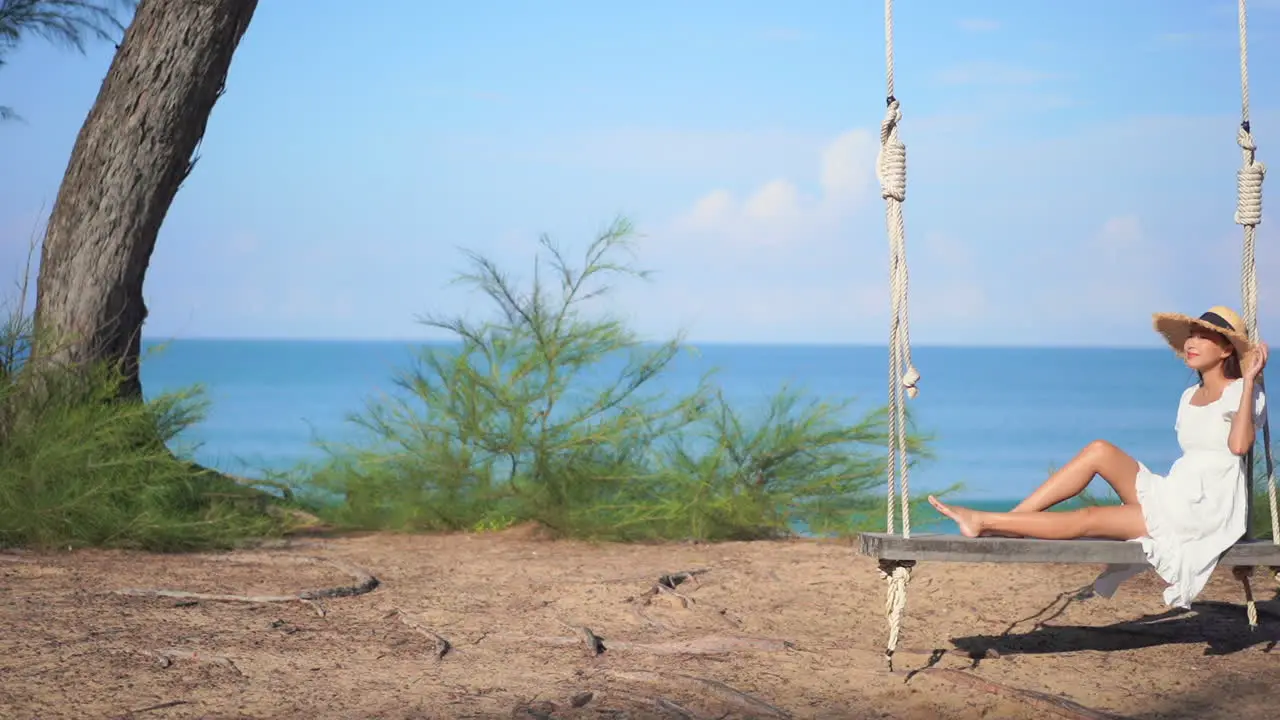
column 1249, row 182
column 1244, row 139
column 891, row 164
column 910, row 380
column 1249, row 193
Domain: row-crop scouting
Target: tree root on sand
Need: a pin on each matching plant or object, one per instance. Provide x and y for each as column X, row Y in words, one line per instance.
column 613, row 702
column 442, row 645
column 703, row 687
column 664, row 706
column 595, row 645
column 364, row 583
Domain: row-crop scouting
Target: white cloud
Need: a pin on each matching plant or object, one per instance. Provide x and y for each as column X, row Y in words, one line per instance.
column 1125, row 269
column 978, row 25
column 664, row 150
column 776, row 200
column 1100, row 288
column 844, row 165
column 242, row 244
column 781, row 34
column 1075, row 238
column 788, row 265
column 992, row 73
column 1052, row 258
column 773, row 258
column 948, row 289
column 778, row 213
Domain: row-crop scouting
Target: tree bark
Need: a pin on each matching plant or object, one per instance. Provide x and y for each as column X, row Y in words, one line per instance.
column 133, row 152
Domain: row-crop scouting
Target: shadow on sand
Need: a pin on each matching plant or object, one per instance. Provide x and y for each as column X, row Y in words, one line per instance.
column 1223, row 629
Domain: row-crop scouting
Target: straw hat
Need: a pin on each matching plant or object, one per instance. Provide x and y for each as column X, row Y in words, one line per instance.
column 1176, row 328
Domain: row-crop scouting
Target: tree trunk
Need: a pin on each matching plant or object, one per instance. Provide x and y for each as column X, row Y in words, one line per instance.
column 132, row 154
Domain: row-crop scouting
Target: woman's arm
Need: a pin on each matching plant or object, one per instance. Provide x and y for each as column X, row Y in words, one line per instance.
column 1242, row 429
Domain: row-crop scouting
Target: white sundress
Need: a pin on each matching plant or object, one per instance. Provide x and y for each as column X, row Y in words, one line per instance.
column 1198, row 510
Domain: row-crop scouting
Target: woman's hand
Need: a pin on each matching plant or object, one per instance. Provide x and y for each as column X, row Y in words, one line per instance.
column 1257, row 361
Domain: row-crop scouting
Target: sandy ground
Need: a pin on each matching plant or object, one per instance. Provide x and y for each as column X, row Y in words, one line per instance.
column 770, row 629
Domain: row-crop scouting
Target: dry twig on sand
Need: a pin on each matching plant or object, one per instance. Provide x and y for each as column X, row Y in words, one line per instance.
column 590, row 642
column 665, row 586
column 153, row 708
column 164, row 658
column 1043, row 702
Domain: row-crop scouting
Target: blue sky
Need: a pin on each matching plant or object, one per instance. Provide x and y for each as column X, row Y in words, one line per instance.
column 1071, row 165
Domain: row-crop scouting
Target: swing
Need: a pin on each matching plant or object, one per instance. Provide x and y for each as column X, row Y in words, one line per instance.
column 898, row 553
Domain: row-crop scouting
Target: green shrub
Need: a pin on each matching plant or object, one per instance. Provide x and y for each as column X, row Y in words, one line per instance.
column 80, row 468
column 545, row 412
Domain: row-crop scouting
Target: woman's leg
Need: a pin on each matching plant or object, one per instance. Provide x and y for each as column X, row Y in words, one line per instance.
column 1112, row 522
column 1097, row 458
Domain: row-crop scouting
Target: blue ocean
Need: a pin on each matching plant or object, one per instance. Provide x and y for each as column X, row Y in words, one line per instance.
column 1001, row 417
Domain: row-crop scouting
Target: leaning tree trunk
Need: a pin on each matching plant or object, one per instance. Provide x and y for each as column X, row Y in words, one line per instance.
column 132, row 154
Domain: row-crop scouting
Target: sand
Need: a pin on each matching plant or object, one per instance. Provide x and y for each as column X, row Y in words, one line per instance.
column 491, row 626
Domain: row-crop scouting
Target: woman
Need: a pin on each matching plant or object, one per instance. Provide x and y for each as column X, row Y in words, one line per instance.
column 1186, row 519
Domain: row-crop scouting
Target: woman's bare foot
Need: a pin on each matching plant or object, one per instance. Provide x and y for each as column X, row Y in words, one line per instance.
column 968, row 520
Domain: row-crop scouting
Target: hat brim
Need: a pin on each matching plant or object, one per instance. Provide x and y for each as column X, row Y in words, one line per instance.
column 1176, row 328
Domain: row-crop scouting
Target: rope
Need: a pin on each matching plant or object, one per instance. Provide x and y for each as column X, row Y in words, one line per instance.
column 891, row 169
column 898, row 574
column 1249, row 215
column 1251, row 608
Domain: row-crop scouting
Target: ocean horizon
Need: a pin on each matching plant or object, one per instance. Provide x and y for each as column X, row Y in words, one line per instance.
column 1001, row 417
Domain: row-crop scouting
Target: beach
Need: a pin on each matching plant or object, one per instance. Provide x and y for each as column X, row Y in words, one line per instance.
column 513, row 624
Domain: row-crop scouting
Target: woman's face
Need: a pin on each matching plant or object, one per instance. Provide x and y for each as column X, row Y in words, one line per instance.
column 1205, row 349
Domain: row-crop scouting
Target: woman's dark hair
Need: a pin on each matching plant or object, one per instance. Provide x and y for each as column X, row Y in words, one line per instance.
column 1230, row 365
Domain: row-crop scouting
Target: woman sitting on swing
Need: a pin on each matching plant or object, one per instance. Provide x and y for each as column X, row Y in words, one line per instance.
column 1186, row 519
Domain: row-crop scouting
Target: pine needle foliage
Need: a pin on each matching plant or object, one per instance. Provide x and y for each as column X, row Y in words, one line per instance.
column 78, row 467
column 552, row 410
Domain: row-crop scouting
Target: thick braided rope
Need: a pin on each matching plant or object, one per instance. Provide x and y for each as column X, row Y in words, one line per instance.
column 1249, row 214
column 891, row 507
column 898, row 574
column 891, row 169
column 1251, row 607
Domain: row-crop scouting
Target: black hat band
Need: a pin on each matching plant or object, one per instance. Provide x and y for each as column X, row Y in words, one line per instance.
column 1217, row 320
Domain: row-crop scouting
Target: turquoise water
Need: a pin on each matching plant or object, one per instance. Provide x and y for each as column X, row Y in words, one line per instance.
column 1002, row 417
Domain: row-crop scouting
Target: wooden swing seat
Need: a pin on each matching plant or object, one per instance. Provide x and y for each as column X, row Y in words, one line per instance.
column 957, row 548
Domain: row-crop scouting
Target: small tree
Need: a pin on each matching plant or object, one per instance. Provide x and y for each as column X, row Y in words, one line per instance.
column 548, row 412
